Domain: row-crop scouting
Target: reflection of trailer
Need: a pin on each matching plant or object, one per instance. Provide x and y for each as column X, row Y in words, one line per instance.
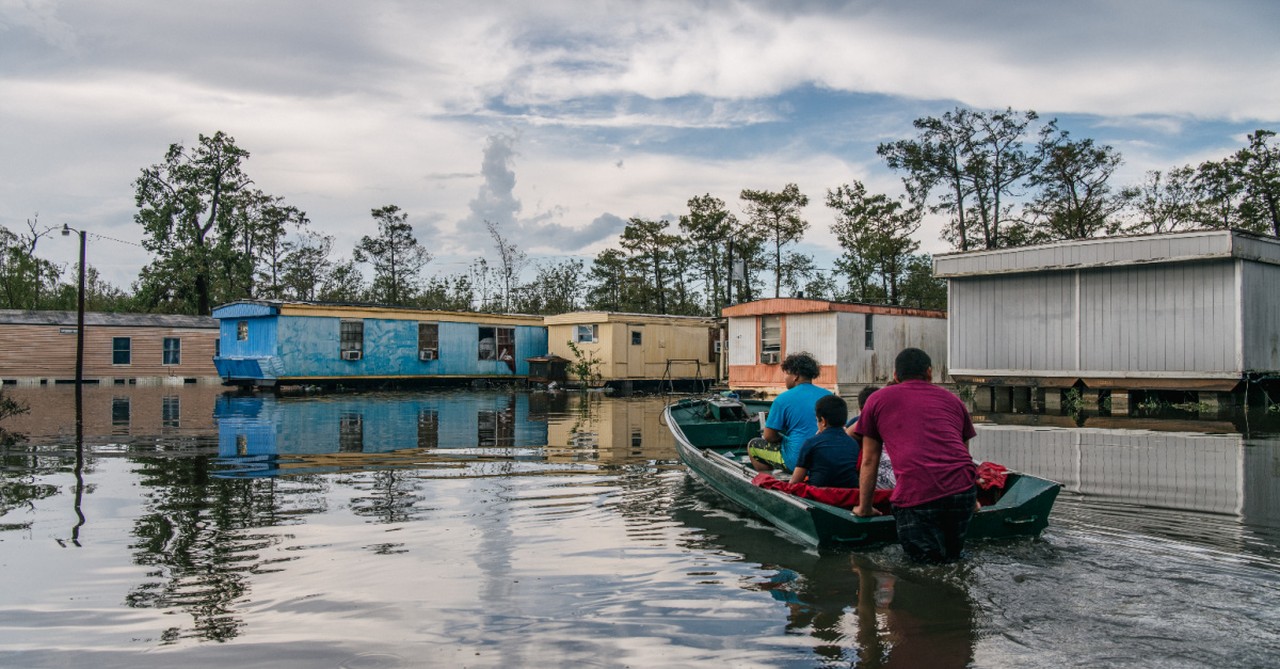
column 1204, row 473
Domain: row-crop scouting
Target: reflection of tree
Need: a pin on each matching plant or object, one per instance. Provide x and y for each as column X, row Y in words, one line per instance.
column 392, row 494
column 196, row 536
column 20, row 483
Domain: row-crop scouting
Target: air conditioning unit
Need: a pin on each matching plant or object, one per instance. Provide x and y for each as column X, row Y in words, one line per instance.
column 428, row 354
column 351, row 355
column 769, row 358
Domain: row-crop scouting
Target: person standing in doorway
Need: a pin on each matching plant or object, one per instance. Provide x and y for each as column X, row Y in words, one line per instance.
column 926, row 431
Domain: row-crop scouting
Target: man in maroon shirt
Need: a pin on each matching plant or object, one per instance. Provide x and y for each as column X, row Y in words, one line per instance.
column 926, row 431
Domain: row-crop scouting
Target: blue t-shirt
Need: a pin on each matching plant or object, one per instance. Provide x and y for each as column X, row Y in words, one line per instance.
column 792, row 415
column 831, row 456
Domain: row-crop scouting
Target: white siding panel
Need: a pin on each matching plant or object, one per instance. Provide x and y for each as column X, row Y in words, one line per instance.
column 1166, row 318
column 814, row 333
column 1261, row 335
column 742, row 341
column 1022, row 322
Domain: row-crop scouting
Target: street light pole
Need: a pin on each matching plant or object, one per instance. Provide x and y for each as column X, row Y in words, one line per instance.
column 66, row 231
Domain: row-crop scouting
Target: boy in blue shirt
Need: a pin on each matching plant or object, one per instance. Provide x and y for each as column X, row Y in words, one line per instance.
column 830, row 457
column 790, row 421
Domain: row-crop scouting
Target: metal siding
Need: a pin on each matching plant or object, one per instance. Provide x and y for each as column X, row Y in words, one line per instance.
column 814, row 333
column 1021, row 322
column 1168, row 318
column 459, row 348
column 1261, row 327
column 742, row 341
column 1178, row 247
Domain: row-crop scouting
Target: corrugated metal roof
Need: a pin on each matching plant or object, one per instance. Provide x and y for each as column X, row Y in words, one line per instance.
column 371, row 310
column 581, row 317
column 790, row 305
column 1198, row 245
column 101, row 319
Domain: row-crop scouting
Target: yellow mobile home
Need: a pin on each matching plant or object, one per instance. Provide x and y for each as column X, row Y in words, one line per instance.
column 640, row 350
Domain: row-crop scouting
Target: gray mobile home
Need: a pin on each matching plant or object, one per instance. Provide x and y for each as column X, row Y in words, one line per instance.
column 1195, row 311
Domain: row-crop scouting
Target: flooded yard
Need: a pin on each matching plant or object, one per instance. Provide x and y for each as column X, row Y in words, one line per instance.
column 492, row 528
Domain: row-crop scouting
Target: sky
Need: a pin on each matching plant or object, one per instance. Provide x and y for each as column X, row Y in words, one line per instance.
column 558, row 121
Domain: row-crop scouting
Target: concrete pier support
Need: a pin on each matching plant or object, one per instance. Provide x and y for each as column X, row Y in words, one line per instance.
column 1091, row 399
column 1037, row 400
column 1021, row 397
column 1003, row 399
column 1214, row 403
column 1052, row 400
column 983, row 399
column 1120, row 403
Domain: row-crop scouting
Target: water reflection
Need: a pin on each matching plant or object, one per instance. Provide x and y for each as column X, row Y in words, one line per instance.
column 523, row 529
column 1161, row 474
column 117, row 414
column 860, row 610
column 263, row 435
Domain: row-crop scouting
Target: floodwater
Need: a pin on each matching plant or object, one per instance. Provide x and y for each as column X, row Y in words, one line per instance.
column 513, row 529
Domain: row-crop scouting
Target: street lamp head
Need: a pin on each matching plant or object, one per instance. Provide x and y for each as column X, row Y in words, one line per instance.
column 66, row 230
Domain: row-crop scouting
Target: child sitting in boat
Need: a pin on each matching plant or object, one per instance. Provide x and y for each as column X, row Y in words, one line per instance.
column 828, row 460
column 830, row 457
column 884, row 475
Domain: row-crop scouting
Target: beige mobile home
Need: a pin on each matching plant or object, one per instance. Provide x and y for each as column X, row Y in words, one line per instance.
column 39, row 347
column 638, row 350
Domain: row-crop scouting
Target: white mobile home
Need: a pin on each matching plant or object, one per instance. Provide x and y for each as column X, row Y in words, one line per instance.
column 854, row 344
column 1188, row 311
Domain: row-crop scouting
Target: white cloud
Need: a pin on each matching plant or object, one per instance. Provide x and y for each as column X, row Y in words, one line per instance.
column 621, row 109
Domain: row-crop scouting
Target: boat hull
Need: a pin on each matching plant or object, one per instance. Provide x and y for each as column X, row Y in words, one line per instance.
column 711, row 449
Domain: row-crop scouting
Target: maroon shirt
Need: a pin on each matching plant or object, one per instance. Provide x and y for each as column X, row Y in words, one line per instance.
column 925, row 431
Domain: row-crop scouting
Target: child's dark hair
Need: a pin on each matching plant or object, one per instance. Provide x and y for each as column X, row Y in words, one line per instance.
column 832, row 409
column 865, row 394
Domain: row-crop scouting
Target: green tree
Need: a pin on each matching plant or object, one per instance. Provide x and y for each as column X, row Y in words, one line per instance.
column 708, row 230
column 775, row 218
column 260, row 234
column 396, row 256
column 972, row 161
column 26, row 280
column 511, row 264
column 344, row 283
column 186, row 205
column 1074, row 198
column 921, row 289
column 305, row 266
column 555, row 289
column 449, row 293
column 875, row 232
column 1164, row 201
column 652, row 250
column 1258, row 170
column 612, row 284
column 1217, row 194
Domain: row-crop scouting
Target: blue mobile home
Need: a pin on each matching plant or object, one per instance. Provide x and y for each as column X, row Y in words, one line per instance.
column 274, row 343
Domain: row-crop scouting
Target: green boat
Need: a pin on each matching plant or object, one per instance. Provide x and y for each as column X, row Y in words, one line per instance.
column 711, row 436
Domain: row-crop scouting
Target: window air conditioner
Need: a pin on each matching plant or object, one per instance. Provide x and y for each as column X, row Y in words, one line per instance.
column 427, row 355
column 769, row 358
column 351, row 355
